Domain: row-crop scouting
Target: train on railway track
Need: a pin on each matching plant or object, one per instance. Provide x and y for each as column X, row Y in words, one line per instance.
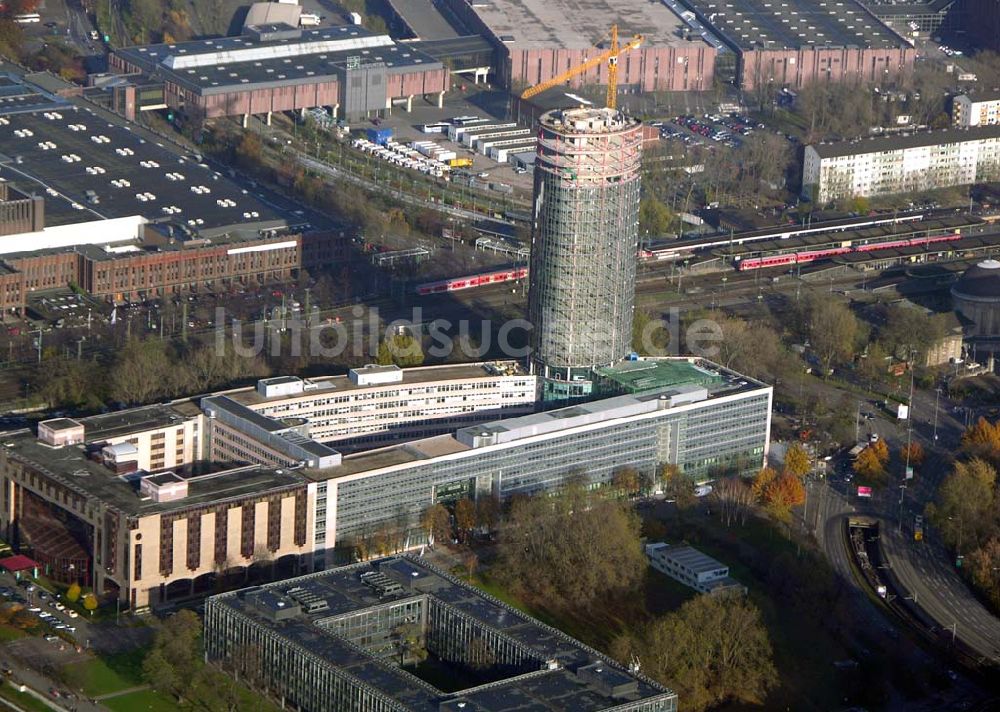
column 803, row 257
column 456, row 284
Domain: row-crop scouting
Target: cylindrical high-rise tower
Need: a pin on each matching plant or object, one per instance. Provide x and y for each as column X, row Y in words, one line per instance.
column 583, row 245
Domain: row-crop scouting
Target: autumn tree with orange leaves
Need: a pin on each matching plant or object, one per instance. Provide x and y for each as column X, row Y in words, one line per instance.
column 982, row 440
column 912, row 453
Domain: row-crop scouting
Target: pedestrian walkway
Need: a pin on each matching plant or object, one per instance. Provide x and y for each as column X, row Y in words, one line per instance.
column 119, row 693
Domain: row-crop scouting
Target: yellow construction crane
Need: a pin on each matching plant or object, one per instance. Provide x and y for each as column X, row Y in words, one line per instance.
column 610, row 55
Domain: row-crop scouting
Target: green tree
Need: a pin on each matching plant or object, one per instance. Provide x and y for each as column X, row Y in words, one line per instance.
column 832, row 330
column 713, row 649
column 965, row 507
column 677, row 486
column 73, row 593
column 797, row 461
column 571, row 549
column 625, row 481
column 654, row 217
column 174, row 659
column 90, row 602
column 649, row 337
column 402, row 350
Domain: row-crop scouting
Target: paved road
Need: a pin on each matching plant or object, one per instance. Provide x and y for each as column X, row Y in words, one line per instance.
column 925, row 570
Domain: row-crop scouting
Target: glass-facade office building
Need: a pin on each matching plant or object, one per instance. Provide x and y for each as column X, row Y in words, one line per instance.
column 707, row 434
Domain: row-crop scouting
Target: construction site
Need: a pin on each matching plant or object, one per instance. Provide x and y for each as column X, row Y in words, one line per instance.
column 584, row 244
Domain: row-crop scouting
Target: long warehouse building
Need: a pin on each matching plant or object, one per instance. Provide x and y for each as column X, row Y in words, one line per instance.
column 536, row 40
column 792, row 43
column 274, row 68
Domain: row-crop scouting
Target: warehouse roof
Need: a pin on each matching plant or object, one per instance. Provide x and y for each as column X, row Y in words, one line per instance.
column 293, row 56
column 901, row 142
column 795, row 24
column 565, row 24
column 74, row 157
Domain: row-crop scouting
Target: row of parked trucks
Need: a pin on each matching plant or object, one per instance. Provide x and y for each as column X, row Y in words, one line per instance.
column 424, row 156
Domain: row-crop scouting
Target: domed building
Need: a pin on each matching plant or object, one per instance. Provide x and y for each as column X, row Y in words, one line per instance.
column 976, row 297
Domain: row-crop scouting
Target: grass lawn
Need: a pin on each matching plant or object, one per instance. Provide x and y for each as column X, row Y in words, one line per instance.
column 8, row 632
column 22, row 699
column 803, row 648
column 111, row 673
column 142, row 700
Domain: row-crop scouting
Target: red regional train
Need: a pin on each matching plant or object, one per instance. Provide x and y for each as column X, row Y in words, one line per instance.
column 801, row 258
column 476, row 280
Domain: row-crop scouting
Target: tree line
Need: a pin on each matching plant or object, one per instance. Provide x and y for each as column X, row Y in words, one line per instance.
column 966, row 510
column 577, row 554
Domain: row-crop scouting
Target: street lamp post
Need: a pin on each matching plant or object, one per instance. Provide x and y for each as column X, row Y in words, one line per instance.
column 937, row 400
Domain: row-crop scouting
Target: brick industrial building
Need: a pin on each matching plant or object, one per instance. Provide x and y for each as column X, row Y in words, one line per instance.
column 797, row 42
column 85, row 200
column 538, row 39
column 275, row 68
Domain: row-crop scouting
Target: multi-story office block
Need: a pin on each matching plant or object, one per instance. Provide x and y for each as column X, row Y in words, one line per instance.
column 167, row 502
column 584, row 244
column 900, row 164
column 352, row 638
column 377, row 405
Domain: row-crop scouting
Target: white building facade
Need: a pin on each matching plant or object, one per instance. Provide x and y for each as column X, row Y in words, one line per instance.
column 976, row 110
column 899, row 164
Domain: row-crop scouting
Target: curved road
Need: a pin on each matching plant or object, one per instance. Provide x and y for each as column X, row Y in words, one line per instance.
column 925, row 569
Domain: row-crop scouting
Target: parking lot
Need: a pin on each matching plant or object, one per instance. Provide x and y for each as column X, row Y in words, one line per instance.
column 53, row 613
column 472, row 101
column 708, row 130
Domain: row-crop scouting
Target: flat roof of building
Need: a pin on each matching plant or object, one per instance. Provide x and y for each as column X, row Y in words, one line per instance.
column 121, row 423
column 692, row 559
column 309, row 56
column 69, row 154
column 334, row 384
column 424, row 18
column 580, row 677
column 71, row 467
column 546, row 422
column 650, row 374
column 904, row 141
column 795, row 24
column 982, row 96
column 565, row 24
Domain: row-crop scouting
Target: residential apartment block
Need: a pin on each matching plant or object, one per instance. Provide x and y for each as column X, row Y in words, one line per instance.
column 899, row 164
column 976, row 110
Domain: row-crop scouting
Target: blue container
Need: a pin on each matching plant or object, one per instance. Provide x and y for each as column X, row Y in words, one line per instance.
column 379, row 136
